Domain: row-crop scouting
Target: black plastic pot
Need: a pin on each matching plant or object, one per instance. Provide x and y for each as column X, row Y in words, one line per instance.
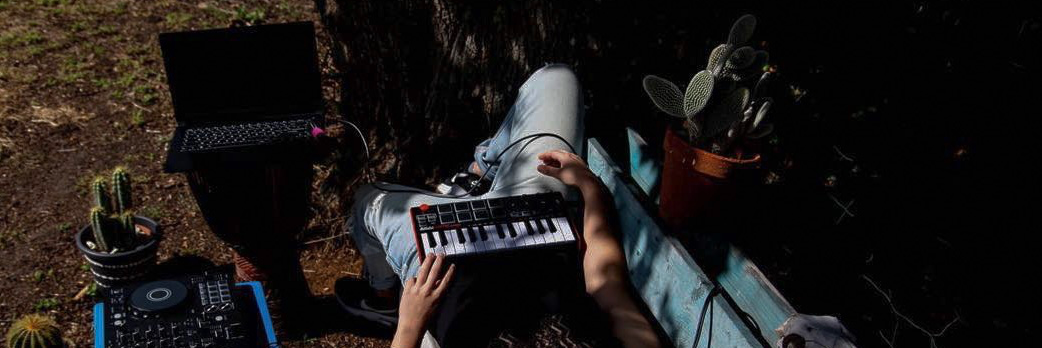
column 122, row 267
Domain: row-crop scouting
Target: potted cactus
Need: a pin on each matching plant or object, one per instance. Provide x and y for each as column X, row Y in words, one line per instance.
column 35, row 331
column 120, row 246
column 720, row 115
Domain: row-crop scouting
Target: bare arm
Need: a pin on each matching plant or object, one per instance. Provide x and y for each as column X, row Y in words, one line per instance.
column 604, row 263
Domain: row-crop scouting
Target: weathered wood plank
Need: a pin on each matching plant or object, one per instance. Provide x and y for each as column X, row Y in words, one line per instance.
column 741, row 279
column 644, row 168
column 666, row 277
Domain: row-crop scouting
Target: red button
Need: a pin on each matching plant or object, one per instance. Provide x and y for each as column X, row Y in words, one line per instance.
column 424, row 208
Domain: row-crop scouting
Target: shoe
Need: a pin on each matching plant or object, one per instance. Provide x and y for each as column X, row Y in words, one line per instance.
column 464, row 183
column 359, row 299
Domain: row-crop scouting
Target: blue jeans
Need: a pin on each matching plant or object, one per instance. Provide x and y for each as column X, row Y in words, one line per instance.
column 550, row 101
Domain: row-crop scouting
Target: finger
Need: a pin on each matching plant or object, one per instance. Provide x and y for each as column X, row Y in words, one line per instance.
column 553, row 156
column 435, row 272
column 548, row 170
column 425, row 268
column 445, row 281
column 410, row 283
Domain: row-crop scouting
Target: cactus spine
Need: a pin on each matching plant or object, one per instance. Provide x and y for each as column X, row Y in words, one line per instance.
column 34, row 331
column 719, row 104
column 121, row 187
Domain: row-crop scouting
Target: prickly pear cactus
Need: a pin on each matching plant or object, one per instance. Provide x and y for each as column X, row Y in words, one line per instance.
column 104, row 233
column 100, row 191
column 726, row 102
column 35, row 331
column 121, row 187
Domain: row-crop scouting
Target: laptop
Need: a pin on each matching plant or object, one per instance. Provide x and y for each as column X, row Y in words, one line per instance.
column 241, row 88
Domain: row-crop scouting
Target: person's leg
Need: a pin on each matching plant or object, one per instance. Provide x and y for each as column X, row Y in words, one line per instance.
column 550, row 101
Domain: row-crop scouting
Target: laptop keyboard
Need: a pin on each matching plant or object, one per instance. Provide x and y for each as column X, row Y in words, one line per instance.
column 244, row 134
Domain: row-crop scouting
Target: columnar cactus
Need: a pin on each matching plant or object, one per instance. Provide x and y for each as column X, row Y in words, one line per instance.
column 721, row 104
column 100, row 190
column 121, row 187
column 35, row 331
column 104, row 232
column 113, row 222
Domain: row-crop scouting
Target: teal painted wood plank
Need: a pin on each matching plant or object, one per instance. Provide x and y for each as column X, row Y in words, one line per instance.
column 644, row 169
column 674, row 287
column 741, row 279
column 754, row 294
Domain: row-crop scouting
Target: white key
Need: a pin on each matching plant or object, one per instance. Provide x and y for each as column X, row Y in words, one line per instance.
column 536, row 236
column 462, row 244
column 438, row 248
column 564, row 228
column 453, row 247
column 522, row 235
column 551, row 237
column 490, row 243
column 427, row 250
column 494, row 236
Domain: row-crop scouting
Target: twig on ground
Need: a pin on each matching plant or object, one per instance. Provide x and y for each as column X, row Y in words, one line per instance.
column 845, row 207
column 325, row 239
column 893, row 309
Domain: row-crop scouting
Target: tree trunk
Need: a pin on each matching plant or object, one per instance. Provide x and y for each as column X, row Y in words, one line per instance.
column 429, row 79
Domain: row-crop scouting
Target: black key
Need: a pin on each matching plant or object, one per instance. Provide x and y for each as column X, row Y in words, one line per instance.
column 471, row 233
column 551, row 224
column 430, row 240
column 499, row 230
column 513, row 231
column 539, row 225
column 484, row 234
column 462, row 206
column 528, row 225
column 444, row 241
column 459, row 236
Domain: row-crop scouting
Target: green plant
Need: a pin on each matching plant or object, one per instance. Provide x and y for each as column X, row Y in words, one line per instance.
column 726, row 102
column 35, row 331
column 47, row 303
column 113, row 221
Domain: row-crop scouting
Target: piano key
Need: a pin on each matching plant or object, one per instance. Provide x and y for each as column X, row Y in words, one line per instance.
column 442, row 239
column 430, row 240
column 550, row 237
column 537, row 237
column 550, row 224
column 460, row 237
column 450, row 243
column 427, row 250
column 439, row 249
column 454, row 246
column 512, row 229
column 499, row 231
column 496, row 237
column 529, row 229
column 539, row 225
column 472, row 235
column 483, row 233
column 520, row 239
column 562, row 223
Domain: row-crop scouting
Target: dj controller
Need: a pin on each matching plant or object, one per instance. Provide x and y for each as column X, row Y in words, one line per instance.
column 199, row 311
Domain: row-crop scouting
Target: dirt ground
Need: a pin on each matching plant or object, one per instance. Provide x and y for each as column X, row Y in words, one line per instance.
column 82, row 90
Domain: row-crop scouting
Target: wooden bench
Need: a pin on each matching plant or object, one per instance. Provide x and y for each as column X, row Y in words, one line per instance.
column 744, row 309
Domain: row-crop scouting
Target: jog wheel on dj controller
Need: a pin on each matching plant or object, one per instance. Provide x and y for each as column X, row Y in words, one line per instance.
column 159, row 295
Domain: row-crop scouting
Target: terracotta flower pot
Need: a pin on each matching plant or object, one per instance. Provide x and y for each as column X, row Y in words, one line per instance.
column 698, row 185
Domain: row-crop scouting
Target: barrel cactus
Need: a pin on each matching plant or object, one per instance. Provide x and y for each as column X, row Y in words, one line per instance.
column 726, row 102
column 35, row 331
column 112, row 221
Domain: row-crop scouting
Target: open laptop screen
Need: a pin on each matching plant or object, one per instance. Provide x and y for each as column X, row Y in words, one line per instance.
column 237, row 74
